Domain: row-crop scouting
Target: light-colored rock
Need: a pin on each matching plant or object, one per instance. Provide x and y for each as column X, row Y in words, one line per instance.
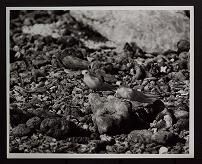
column 109, row 114
column 180, row 114
column 152, row 30
column 163, row 150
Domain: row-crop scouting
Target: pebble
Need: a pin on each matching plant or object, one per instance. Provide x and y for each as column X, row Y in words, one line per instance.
column 118, row 83
column 33, row 122
column 85, row 126
column 163, row 150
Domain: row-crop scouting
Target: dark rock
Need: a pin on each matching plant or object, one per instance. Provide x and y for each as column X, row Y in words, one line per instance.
column 182, row 124
column 21, row 130
column 132, row 50
column 183, row 45
column 72, row 59
column 163, row 137
column 38, row 73
column 97, row 145
column 57, row 127
column 184, row 55
column 33, row 123
column 48, row 39
column 18, row 116
column 68, row 41
column 142, row 136
column 110, row 115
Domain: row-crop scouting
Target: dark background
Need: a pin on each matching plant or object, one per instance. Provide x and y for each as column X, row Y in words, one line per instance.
column 197, row 74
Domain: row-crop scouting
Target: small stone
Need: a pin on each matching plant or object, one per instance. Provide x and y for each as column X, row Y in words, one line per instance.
column 33, row 122
column 181, row 114
column 57, row 127
column 118, row 83
column 163, row 150
column 163, row 137
column 106, row 138
column 182, row 124
column 16, row 48
column 59, row 112
column 163, row 69
column 183, row 45
column 53, row 144
column 85, row 126
column 141, row 136
column 168, row 120
column 184, row 55
column 21, row 130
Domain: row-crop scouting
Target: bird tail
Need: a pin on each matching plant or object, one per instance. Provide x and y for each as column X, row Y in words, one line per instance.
column 108, row 87
column 151, row 98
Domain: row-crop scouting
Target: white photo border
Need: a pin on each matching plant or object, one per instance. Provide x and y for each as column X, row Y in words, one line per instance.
column 70, row 156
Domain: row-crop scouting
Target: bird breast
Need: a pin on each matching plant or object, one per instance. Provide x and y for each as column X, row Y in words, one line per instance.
column 92, row 83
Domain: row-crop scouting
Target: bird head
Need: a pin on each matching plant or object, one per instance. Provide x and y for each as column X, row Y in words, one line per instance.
column 85, row 72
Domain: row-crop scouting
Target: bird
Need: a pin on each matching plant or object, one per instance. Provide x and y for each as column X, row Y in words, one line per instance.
column 96, row 82
column 134, row 95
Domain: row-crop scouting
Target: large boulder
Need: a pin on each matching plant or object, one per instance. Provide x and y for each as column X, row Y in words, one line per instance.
column 152, row 30
column 109, row 114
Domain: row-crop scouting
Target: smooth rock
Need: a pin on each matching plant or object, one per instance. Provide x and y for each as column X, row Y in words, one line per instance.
column 142, row 136
column 138, row 26
column 21, row 130
column 163, row 137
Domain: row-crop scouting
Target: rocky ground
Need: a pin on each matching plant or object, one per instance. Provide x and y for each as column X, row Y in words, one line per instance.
column 53, row 111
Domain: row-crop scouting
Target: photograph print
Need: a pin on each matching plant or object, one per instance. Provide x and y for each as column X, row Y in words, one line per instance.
column 100, row 82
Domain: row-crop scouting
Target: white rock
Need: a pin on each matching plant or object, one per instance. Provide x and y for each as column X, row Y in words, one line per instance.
column 169, row 121
column 163, row 150
column 118, row 83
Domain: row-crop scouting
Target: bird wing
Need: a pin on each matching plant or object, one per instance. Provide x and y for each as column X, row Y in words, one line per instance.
column 141, row 97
